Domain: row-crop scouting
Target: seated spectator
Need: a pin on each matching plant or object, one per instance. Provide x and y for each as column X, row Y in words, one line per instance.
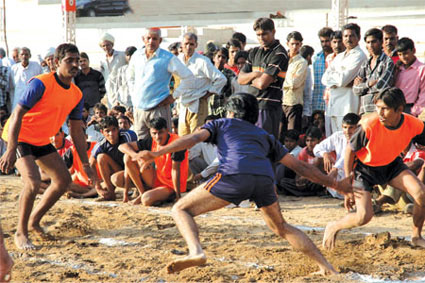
column 300, row 186
column 61, row 143
column 233, row 46
column 124, row 123
column 290, row 142
column 93, row 130
column 331, row 151
column 106, row 154
column 168, row 179
column 117, row 110
column 80, row 187
column 202, row 155
column 175, row 125
column 86, row 114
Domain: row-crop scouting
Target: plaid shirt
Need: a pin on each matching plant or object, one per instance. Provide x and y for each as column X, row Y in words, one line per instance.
column 4, row 85
column 319, row 68
column 383, row 73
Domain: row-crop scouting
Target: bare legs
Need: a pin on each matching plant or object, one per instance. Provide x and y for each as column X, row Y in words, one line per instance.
column 6, row 261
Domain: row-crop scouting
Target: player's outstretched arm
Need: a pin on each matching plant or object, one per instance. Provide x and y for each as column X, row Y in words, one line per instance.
column 313, row 174
column 180, row 144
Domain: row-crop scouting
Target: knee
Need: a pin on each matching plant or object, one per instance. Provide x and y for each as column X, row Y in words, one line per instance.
column 147, row 199
column 364, row 216
column 63, row 182
column 33, row 185
column 419, row 197
column 127, row 159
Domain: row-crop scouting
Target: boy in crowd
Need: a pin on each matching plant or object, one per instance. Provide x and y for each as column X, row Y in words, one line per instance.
column 106, row 154
column 331, row 151
column 93, row 130
column 168, row 179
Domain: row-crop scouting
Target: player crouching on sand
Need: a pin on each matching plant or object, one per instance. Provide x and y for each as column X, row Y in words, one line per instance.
column 246, row 153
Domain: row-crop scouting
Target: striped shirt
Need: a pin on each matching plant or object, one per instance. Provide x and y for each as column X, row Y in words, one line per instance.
column 383, row 73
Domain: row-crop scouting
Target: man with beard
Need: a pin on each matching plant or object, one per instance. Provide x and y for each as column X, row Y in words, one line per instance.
column 390, row 41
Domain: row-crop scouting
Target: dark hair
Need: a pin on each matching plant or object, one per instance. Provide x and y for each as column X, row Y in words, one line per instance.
column 320, row 112
column 294, row 35
column 2, row 52
column 354, row 27
column 64, row 48
column 129, row 51
column 234, row 42
column 376, row 33
column 223, row 50
column 263, row 24
column 84, row 55
column 211, row 117
column 325, row 32
column 292, row 134
column 175, row 121
column 389, row 29
column 351, row 119
column 158, row 123
column 239, row 36
column 3, row 119
column 107, row 122
column 119, row 108
column 244, row 106
column 86, row 106
column 405, row 44
column 241, row 54
column 101, row 106
column 174, row 46
column 125, row 118
column 314, row 132
column 306, row 50
column 336, row 34
column 392, row 97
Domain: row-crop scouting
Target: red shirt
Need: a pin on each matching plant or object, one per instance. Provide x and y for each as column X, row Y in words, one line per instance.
column 234, row 68
column 306, row 156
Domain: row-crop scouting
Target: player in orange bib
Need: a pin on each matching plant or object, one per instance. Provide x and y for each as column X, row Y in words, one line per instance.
column 44, row 107
column 373, row 155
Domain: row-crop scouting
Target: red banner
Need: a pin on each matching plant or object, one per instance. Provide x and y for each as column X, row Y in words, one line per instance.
column 69, row 5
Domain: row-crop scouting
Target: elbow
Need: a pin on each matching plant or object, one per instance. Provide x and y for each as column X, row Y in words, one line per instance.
column 261, row 85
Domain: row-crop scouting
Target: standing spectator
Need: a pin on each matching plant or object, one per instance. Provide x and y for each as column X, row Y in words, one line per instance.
column 390, row 41
column 241, row 37
column 91, row 82
column 15, row 55
column 217, row 101
column 109, row 66
column 375, row 74
column 307, row 53
column 208, row 81
column 319, row 68
column 9, row 61
column 265, row 72
column 339, row 78
column 49, row 61
column 411, row 76
column 293, row 87
column 233, row 46
column 6, row 87
column 240, row 59
column 123, row 90
column 150, row 70
column 22, row 73
column 174, row 48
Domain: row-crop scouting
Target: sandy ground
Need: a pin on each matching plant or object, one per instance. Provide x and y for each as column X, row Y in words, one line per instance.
column 116, row 242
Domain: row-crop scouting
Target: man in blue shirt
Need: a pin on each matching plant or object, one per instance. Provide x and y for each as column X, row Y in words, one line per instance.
column 246, row 153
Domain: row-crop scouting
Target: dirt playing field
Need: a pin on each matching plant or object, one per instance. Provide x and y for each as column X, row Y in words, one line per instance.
column 116, row 242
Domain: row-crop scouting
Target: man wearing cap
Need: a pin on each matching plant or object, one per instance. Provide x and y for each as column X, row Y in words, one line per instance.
column 48, row 59
column 109, row 66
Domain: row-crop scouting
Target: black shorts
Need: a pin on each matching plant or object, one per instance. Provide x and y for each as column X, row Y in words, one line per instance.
column 25, row 149
column 367, row 176
column 236, row 188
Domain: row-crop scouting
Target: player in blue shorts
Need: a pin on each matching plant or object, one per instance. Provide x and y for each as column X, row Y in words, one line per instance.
column 246, row 154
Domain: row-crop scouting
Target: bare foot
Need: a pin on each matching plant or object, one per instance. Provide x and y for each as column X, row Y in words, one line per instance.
column 329, row 237
column 36, row 228
column 137, row 201
column 6, row 264
column 186, row 262
column 418, row 242
column 326, row 271
column 22, row 242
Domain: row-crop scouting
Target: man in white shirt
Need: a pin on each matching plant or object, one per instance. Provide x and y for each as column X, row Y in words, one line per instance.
column 337, row 142
column 109, row 66
column 22, row 73
column 208, row 80
column 339, row 77
column 149, row 72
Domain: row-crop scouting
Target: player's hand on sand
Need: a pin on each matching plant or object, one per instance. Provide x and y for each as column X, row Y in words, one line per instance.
column 7, row 161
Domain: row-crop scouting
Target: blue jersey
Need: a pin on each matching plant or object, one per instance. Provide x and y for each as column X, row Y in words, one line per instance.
column 112, row 149
column 243, row 148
